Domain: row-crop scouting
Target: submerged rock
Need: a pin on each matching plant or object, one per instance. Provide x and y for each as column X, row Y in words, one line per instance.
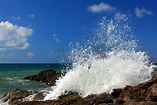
column 47, row 76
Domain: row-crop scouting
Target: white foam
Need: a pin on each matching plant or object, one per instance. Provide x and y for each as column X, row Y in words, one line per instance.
column 4, row 103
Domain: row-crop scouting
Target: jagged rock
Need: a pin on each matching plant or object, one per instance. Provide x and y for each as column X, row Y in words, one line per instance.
column 143, row 91
column 152, row 93
column 116, row 93
column 95, row 99
column 38, row 96
column 130, row 102
column 6, row 97
column 126, row 98
column 47, row 76
column 146, row 103
column 118, row 101
column 67, row 99
column 74, row 99
column 16, row 96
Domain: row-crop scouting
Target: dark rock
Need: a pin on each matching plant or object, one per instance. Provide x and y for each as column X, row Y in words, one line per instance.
column 142, row 91
column 146, row 103
column 126, row 98
column 6, row 97
column 118, row 101
column 151, row 94
column 95, row 99
column 74, row 99
column 130, row 102
column 106, row 104
column 38, row 96
column 16, row 96
column 116, row 93
column 47, row 76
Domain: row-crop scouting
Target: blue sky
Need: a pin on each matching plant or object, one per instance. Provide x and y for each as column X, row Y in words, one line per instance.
column 39, row 31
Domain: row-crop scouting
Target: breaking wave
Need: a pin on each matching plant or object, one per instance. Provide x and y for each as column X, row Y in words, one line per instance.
column 109, row 59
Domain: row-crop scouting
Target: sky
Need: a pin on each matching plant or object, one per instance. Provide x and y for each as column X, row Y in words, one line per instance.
column 39, row 31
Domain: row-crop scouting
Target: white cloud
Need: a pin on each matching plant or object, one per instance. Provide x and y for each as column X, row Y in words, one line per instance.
column 30, row 54
column 32, row 15
column 13, row 36
column 55, row 38
column 102, row 7
column 141, row 12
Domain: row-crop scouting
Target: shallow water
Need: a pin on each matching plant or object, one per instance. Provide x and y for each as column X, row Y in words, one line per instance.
column 11, row 76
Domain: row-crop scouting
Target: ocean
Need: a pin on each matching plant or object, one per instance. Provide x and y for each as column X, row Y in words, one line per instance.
column 11, row 76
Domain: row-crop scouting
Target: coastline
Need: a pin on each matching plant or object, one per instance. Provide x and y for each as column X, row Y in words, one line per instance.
column 137, row 95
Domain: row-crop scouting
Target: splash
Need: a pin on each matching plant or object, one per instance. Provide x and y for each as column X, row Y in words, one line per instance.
column 108, row 60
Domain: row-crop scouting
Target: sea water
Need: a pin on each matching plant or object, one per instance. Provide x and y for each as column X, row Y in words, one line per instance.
column 11, row 76
column 109, row 59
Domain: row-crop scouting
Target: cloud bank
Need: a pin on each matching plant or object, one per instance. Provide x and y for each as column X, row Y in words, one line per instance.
column 102, row 7
column 13, row 36
column 141, row 12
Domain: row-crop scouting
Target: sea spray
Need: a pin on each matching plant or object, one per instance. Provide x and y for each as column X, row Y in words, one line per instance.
column 108, row 60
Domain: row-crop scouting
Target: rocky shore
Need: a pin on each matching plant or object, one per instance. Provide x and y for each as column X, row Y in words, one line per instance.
column 46, row 76
column 142, row 94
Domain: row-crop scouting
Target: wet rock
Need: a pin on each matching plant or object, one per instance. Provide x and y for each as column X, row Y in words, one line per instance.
column 38, row 96
column 47, row 76
column 106, row 104
column 74, row 99
column 152, row 93
column 146, row 103
column 116, row 93
column 118, row 101
column 69, row 98
column 154, row 73
column 143, row 91
column 6, row 97
column 95, row 99
column 126, row 98
column 16, row 96
column 130, row 102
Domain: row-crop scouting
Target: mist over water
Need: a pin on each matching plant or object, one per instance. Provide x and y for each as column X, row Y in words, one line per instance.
column 109, row 59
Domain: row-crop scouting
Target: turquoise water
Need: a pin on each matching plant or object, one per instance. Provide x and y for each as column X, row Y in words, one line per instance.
column 11, row 76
